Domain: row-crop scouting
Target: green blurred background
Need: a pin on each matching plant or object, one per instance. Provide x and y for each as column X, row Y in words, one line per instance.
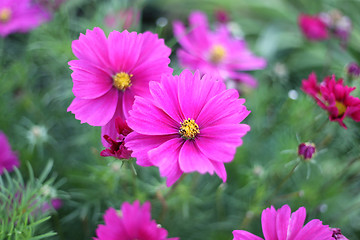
column 36, row 89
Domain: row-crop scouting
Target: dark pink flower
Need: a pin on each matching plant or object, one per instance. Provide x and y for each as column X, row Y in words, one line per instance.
column 353, row 69
column 334, row 97
column 8, row 158
column 116, row 148
column 187, row 124
column 337, row 234
column 281, row 224
column 221, row 16
column 313, row 27
column 111, row 71
column 55, row 203
column 20, row 16
column 306, row 150
column 216, row 53
column 132, row 222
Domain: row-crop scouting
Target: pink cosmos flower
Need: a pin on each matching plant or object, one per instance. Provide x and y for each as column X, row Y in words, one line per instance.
column 187, row 124
column 281, row 224
column 116, row 147
column 313, row 27
column 8, row 158
column 216, row 53
column 133, row 222
column 334, row 97
column 111, row 71
column 20, row 16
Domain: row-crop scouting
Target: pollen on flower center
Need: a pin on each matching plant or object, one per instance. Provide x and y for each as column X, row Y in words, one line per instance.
column 217, row 53
column 341, row 108
column 189, row 129
column 5, row 15
column 122, row 80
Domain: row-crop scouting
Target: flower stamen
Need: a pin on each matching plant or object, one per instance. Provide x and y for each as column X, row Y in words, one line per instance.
column 122, row 80
column 341, row 108
column 5, row 15
column 189, row 129
column 217, row 53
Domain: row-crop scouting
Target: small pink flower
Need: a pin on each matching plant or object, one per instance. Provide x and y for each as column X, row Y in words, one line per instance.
column 8, row 158
column 281, row 224
column 334, row 97
column 132, row 222
column 111, row 71
column 306, row 150
column 116, row 148
column 216, row 53
column 187, row 124
column 313, row 27
column 353, row 69
column 337, row 234
column 55, row 203
column 20, row 16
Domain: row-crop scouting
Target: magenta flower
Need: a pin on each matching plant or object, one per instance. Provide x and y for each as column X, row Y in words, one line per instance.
column 334, row 97
column 111, row 71
column 187, row 124
column 132, row 222
column 216, row 53
column 313, row 27
column 20, row 16
column 353, row 69
column 306, row 150
column 8, row 158
column 116, row 147
column 337, row 234
column 281, row 224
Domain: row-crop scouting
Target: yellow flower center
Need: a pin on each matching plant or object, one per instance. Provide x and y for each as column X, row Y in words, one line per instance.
column 217, row 53
column 341, row 108
column 5, row 15
column 122, row 80
column 189, row 129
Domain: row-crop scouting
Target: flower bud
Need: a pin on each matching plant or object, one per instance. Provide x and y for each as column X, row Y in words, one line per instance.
column 306, row 150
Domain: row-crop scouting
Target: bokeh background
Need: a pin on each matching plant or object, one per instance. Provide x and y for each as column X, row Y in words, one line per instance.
column 36, row 89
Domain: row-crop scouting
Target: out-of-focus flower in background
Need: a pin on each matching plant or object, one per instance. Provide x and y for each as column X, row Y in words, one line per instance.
column 8, row 158
column 132, row 222
column 306, row 150
column 188, row 124
column 123, row 19
column 353, row 69
column 215, row 52
column 21, row 16
column 282, row 224
column 334, row 97
column 221, row 16
column 313, row 27
column 337, row 234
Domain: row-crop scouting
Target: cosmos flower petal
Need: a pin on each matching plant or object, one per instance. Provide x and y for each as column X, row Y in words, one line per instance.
column 104, row 107
column 143, row 121
column 166, row 157
column 244, row 235
column 92, row 47
column 142, row 144
column 268, row 222
column 155, row 49
column 220, row 170
column 282, row 222
column 314, row 230
column 192, row 159
column 124, row 50
column 296, row 222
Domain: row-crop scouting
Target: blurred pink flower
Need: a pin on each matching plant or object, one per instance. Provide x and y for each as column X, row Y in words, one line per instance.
column 116, row 147
column 132, row 222
column 111, row 71
column 337, row 234
column 187, row 124
column 55, row 203
column 221, row 15
column 20, row 16
column 353, row 69
column 123, row 19
column 216, row 53
column 8, row 158
column 281, row 224
column 313, row 27
column 334, row 97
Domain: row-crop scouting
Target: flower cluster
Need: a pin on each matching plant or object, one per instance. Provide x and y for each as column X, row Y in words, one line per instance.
column 333, row 96
column 318, row 27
